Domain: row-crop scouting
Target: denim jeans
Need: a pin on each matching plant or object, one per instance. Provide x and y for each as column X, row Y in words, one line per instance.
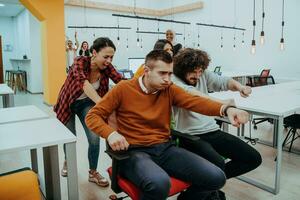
column 216, row 145
column 81, row 108
column 150, row 168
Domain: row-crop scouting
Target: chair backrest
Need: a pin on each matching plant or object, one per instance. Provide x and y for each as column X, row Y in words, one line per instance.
column 217, row 69
column 260, row 81
column 265, row 73
column 20, row 184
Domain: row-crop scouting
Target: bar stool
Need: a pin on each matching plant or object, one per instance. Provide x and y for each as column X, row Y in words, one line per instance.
column 7, row 77
column 18, row 79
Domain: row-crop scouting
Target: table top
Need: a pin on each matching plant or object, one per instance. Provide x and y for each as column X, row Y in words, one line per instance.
column 33, row 134
column 280, row 99
column 22, row 113
column 4, row 89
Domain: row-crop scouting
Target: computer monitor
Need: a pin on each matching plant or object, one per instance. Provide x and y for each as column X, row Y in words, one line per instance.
column 135, row 63
column 126, row 73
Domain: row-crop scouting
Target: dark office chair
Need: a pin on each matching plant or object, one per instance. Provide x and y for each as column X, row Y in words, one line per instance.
column 257, row 81
column 264, row 73
column 120, row 184
column 217, row 70
column 293, row 123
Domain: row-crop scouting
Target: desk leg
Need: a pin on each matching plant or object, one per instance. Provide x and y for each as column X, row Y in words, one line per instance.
column 8, row 100
column 51, row 166
column 276, row 188
column 279, row 135
column 72, row 171
column 34, row 161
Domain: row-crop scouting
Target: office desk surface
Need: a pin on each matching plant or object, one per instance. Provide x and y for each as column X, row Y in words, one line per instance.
column 22, row 113
column 4, row 89
column 33, row 134
column 279, row 99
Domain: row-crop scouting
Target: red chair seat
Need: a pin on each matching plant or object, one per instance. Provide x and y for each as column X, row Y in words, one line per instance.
column 134, row 192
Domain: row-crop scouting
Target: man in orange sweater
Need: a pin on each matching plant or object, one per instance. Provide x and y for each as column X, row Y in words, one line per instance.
column 143, row 110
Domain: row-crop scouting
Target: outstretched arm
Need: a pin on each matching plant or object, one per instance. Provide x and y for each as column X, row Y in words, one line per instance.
column 236, row 116
column 234, row 85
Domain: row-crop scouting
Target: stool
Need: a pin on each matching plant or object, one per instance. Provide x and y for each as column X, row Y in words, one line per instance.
column 18, row 79
column 7, row 79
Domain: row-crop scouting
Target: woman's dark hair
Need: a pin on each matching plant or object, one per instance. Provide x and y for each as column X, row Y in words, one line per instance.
column 187, row 60
column 160, row 44
column 101, row 43
column 84, row 53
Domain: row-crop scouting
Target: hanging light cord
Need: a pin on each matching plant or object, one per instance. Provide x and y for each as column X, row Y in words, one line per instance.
column 254, row 23
column 282, row 22
column 263, row 15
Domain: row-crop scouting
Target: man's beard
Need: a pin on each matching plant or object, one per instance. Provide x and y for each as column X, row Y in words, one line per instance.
column 192, row 84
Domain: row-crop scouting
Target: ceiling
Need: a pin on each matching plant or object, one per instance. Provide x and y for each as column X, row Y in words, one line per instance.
column 11, row 8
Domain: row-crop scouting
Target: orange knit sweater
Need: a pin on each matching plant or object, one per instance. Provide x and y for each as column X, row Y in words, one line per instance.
column 144, row 119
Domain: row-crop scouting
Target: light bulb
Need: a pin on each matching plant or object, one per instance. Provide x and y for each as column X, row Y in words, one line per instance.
column 234, row 47
column 221, row 47
column 118, row 40
column 126, row 47
column 243, row 42
column 281, row 44
column 253, row 47
column 262, row 37
column 137, row 42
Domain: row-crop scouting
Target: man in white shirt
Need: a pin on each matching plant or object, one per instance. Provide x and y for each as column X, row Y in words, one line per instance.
column 214, row 145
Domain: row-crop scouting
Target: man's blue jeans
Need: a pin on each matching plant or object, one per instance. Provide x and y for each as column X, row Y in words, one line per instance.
column 150, row 169
column 81, row 108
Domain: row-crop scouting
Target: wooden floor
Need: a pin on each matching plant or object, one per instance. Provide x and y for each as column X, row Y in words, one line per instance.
column 234, row 189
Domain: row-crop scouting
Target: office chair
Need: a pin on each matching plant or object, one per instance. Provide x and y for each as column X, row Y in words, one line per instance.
column 20, row 184
column 293, row 123
column 264, row 73
column 217, row 70
column 256, row 82
column 120, row 184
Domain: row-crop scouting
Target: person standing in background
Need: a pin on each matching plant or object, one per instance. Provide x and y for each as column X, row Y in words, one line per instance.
column 84, row 49
column 170, row 36
column 71, row 52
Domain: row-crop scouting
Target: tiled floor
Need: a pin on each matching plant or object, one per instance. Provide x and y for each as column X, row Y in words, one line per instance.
column 235, row 189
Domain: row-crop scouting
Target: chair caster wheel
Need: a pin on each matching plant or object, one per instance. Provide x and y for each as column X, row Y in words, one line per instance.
column 113, row 197
column 255, row 127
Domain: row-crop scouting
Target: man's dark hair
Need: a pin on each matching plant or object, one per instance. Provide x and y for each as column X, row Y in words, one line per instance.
column 187, row 60
column 101, row 43
column 156, row 55
column 160, row 44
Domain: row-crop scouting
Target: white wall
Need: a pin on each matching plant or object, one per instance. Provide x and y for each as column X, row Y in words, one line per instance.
column 283, row 64
column 6, row 31
column 23, row 33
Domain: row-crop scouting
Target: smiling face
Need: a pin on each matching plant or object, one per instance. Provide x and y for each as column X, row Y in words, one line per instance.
column 158, row 74
column 170, row 35
column 104, row 57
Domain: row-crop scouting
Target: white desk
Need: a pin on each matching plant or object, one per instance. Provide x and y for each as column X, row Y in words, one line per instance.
column 46, row 134
column 22, row 113
column 7, row 95
column 274, row 101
